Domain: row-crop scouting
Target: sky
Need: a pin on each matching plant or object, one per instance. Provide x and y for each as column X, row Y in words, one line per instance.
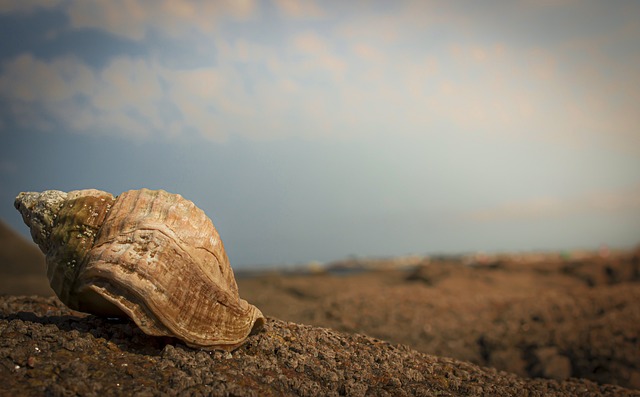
column 314, row 131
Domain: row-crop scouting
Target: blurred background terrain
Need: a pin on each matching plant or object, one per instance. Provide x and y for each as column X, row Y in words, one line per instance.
column 21, row 265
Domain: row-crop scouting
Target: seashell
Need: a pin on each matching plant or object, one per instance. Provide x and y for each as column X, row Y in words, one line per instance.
column 151, row 255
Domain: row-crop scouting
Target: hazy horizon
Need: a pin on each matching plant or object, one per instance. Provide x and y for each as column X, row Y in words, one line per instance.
column 315, row 131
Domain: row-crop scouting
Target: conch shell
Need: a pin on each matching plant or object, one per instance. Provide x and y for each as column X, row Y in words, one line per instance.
column 151, row 255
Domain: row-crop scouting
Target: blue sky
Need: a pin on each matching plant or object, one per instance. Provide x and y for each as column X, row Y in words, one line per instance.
column 316, row 130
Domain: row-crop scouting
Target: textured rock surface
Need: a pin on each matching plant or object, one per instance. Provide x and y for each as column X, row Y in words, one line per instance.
column 46, row 349
column 554, row 320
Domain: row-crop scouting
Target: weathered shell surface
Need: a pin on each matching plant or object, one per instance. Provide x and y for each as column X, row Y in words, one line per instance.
column 151, row 255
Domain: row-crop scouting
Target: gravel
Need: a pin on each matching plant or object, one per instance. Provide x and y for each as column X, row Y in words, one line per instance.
column 46, row 349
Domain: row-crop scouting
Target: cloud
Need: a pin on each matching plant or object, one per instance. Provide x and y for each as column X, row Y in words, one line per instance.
column 122, row 97
column 299, row 8
column 621, row 201
column 40, row 93
column 408, row 70
column 133, row 19
column 28, row 79
column 264, row 92
column 318, row 56
column 140, row 98
column 12, row 6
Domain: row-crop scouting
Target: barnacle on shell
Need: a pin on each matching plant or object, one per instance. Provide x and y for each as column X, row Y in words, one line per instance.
column 151, row 255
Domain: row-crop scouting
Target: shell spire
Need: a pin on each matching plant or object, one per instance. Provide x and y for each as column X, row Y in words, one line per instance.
column 39, row 211
column 151, row 255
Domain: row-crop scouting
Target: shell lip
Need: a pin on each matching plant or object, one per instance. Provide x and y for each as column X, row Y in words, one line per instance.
column 257, row 327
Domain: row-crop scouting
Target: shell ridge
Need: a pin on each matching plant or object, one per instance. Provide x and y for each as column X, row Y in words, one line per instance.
column 138, row 205
column 173, row 207
column 184, row 248
column 230, row 302
column 176, row 200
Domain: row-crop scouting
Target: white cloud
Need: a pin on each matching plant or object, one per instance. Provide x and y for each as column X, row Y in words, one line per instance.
column 129, row 96
column 121, row 97
column 369, row 72
column 28, row 79
column 493, row 90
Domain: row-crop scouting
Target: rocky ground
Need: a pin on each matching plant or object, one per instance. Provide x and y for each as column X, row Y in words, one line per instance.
column 45, row 349
column 562, row 319
column 443, row 327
